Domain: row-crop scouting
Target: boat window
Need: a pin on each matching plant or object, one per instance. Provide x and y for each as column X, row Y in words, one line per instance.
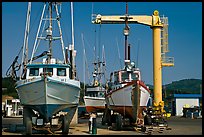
column 134, row 76
column 34, row 72
column 100, row 94
column 61, row 72
column 49, row 70
column 111, row 77
column 116, row 78
column 125, row 76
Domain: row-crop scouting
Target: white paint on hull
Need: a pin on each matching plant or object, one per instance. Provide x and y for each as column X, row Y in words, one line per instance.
column 94, row 101
column 54, row 91
column 144, row 96
column 121, row 97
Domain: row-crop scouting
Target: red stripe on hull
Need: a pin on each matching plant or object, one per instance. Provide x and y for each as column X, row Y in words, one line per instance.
column 90, row 109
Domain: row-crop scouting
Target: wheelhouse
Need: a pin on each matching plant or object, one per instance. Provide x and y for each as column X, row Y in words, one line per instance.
column 95, row 91
column 124, row 76
column 54, row 70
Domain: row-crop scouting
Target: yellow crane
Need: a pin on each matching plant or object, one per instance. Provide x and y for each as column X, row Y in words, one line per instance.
column 159, row 27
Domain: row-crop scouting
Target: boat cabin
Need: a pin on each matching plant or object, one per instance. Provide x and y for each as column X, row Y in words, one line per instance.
column 95, row 91
column 54, row 69
column 124, row 76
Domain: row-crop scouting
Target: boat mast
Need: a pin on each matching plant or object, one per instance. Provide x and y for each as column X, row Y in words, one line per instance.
column 73, row 52
column 98, row 71
column 36, row 39
column 49, row 35
column 126, row 33
column 103, row 63
column 25, row 46
column 99, row 65
column 49, row 30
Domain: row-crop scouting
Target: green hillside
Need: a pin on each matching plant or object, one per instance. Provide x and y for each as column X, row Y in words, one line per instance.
column 193, row 86
column 185, row 86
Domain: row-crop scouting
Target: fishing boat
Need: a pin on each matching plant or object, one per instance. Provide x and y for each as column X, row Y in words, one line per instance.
column 94, row 98
column 48, row 90
column 127, row 95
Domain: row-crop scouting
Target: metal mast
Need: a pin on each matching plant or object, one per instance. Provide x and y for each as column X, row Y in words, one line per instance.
column 25, row 46
column 73, row 52
column 49, row 34
column 126, row 33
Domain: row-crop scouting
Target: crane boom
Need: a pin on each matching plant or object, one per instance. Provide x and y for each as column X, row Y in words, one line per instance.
column 133, row 19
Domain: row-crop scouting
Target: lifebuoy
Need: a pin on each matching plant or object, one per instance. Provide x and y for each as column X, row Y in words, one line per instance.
column 96, row 83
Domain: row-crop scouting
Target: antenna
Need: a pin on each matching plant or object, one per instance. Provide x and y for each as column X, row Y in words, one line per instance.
column 118, row 53
column 104, row 62
column 85, row 60
column 72, row 17
column 138, row 54
column 99, row 42
column 95, row 44
column 92, row 12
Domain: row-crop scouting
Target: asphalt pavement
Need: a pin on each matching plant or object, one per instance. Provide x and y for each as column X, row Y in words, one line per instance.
column 177, row 126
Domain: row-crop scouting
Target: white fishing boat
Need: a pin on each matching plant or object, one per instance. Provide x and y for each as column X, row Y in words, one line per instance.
column 48, row 90
column 94, row 98
column 127, row 95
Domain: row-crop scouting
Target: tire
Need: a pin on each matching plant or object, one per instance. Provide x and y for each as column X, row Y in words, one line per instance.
column 27, row 121
column 65, row 125
column 113, row 118
column 103, row 121
column 118, row 122
column 147, row 120
column 108, row 117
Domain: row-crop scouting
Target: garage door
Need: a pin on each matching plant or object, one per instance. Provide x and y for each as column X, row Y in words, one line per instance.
column 181, row 102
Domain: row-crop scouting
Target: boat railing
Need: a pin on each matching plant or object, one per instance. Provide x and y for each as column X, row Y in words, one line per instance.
column 31, row 79
column 167, row 61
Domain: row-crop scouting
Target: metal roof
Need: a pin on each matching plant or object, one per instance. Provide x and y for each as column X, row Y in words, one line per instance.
column 187, row 95
column 48, row 65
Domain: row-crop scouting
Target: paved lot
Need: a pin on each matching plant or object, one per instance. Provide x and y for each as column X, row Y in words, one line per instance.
column 179, row 126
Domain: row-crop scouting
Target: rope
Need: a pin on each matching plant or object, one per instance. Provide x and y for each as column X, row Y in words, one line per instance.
column 15, row 66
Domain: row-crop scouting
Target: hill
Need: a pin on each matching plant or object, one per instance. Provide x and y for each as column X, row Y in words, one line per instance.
column 193, row 86
column 185, row 86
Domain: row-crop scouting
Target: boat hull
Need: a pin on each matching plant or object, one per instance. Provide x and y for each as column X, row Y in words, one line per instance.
column 94, row 104
column 129, row 100
column 48, row 95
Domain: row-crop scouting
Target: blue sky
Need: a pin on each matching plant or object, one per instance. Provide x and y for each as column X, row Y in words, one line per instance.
column 185, row 35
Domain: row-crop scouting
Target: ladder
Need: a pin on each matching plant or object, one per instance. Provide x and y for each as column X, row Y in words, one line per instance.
column 166, row 61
